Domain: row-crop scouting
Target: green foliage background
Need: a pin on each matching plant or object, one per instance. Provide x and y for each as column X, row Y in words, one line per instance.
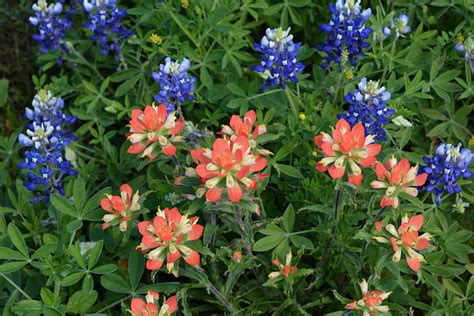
column 431, row 85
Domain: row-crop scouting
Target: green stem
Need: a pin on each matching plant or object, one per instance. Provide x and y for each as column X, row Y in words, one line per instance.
column 113, row 304
column 263, row 94
column 16, row 286
column 72, row 238
column 292, row 103
column 185, row 30
column 215, row 291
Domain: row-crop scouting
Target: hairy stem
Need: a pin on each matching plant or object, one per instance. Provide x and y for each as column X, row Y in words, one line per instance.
column 248, row 249
column 216, row 292
column 337, row 200
column 377, row 217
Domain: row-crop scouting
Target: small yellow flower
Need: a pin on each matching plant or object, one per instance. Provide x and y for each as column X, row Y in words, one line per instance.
column 185, row 4
column 314, row 153
column 302, row 116
column 460, row 38
column 348, row 74
column 156, row 39
column 471, row 142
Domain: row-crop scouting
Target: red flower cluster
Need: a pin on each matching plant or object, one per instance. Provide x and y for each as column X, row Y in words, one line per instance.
column 371, row 301
column 150, row 307
column 397, row 177
column 347, row 149
column 120, row 208
column 166, row 238
column 153, row 131
column 232, row 164
column 406, row 239
column 285, row 269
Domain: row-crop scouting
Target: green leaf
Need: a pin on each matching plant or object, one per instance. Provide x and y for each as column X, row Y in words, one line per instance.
column 10, row 254
column 63, row 205
column 235, row 89
column 105, row 269
column 79, row 193
column 77, row 255
column 268, row 242
column 12, row 266
column 301, row 242
column 115, row 283
column 74, row 225
column 73, row 278
column 3, row 92
column 47, row 296
column 17, row 239
column 126, row 86
column 438, row 130
column 44, row 251
column 290, row 171
column 80, row 302
column 94, row 202
column 95, row 254
column 237, row 103
column 433, row 114
column 136, row 265
column 289, row 218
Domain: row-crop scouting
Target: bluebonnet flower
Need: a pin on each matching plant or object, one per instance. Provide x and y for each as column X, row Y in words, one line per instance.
column 347, row 33
column 466, row 47
column 51, row 27
column 368, row 105
column 445, row 168
column 46, row 138
column 279, row 63
column 400, row 26
column 105, row 23
column 175, row 83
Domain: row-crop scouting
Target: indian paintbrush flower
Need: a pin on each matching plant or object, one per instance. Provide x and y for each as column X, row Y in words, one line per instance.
column 371, row 301
column 347, row 150
column 120, row 208
column 405, row 240
column 150, row 307
column 166, row 238
column 154, row 130
column 230, row 165
column 397, row 178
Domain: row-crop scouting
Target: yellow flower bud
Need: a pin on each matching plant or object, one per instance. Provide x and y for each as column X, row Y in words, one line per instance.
column 156, row 39
column 302, row 116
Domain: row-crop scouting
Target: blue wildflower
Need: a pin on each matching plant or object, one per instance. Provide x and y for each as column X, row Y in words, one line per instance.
column 51, row 27
column 445, row 168
column 368, row 105
column 466, row 47
column 46, row 138
column 105, row 23
column 400, row 26
column 175, row 83
column 347, row 33
column 279, row 64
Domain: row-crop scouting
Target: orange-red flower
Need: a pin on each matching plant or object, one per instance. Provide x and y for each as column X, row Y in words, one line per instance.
column 166, row 238
column 347, row 149
column 397, row 177
column 120, row 208
column 231, row 165
column 371, row 302
column 244, row 128
column 284, row 269
column 154, row 130
column 406, row 239
column 150, row 307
